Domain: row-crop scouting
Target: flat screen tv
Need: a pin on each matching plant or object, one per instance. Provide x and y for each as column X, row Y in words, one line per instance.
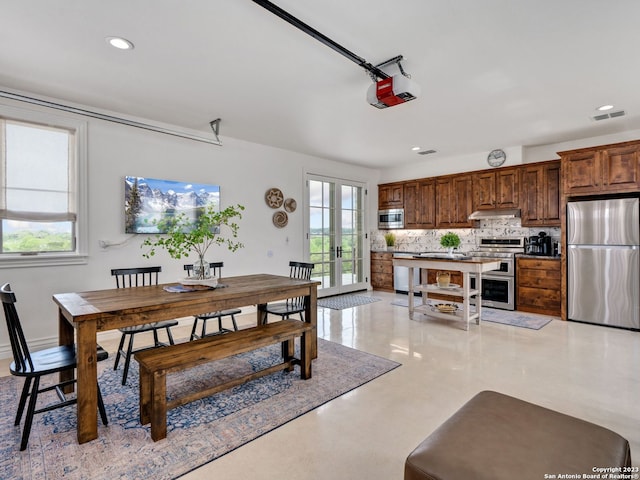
column 149, row 200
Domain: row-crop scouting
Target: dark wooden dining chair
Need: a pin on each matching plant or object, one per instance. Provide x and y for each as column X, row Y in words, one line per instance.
column 130, row 278
column 292, row 306
column 34, row 365
column 216, row 270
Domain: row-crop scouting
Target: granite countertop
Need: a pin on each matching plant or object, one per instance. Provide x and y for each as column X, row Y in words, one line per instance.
column 527, row 255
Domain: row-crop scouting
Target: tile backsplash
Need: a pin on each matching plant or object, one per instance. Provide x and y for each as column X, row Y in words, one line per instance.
column 429, row 240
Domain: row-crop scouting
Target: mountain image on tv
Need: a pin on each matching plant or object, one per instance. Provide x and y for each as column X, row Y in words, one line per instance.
column 149, row 200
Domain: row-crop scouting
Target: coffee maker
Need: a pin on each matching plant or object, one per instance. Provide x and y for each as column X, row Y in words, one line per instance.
column 540, row 244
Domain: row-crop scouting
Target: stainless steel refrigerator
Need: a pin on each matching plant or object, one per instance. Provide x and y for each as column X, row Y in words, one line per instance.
column 603, row 262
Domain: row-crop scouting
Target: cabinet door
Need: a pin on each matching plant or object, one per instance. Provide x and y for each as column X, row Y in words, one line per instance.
column 411, row 205
column 463, row 197
column 531, row 195
column 426, row 203
column 621, row 167
column 582, row 173
column 540, row 194
column 507, row 188
column 445, row 202
column 551, row 194
column 390, row 196
column 484, row 191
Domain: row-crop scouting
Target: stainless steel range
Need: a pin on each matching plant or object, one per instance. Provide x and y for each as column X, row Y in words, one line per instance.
column 499, row 286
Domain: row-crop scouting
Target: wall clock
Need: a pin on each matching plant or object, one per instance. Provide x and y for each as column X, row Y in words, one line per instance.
column 496, row 157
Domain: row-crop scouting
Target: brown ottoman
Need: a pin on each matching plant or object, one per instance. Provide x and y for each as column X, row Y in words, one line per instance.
column 497, row 437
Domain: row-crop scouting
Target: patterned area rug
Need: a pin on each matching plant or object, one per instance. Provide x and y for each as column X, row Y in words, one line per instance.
column 197, row 433
column 516, row 319
column 340, row 302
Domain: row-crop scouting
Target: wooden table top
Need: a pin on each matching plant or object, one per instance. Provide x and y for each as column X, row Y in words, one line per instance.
column 99, row 304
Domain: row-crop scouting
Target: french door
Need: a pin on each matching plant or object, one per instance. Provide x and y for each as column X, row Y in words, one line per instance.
column 336, row 234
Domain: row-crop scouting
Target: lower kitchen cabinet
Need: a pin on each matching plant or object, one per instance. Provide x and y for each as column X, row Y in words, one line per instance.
column 538, row 285
column 382, row 271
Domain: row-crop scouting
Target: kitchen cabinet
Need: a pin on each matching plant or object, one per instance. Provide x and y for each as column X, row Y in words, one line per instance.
column 454, row 201
column 538, row 285
column 419, row 204
column 390, row 195
column 540, row 194
column 604, row 169
column 496, row 189
column 382, row 271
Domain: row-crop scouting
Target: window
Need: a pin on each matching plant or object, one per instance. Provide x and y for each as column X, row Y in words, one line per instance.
column 40, row 160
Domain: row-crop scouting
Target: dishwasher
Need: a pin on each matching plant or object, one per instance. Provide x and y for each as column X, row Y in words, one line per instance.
column 401, row 275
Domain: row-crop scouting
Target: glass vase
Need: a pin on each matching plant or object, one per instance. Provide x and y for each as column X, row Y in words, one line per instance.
column 201, row 269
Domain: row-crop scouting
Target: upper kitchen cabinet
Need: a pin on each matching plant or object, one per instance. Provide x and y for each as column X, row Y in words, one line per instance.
column 496, row 189
column 419, row 204
column 390, row 195
column 604, row 169
column 454, row 201
column 540, row 194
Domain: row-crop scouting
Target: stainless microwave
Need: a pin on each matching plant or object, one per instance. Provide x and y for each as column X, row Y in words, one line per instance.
column 388, row 219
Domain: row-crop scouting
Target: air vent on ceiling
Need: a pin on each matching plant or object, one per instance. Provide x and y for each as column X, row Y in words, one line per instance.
column 604, row 116
column 427, row 152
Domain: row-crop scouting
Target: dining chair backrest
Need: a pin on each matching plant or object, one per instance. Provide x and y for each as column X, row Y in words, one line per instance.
column 215, row 269
column 21, row 355
column 136, row 277
column 300, row 270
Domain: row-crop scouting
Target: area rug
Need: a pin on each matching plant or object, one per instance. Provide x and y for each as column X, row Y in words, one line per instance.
column 516, row 319
column 340, row 302
column 505, row 317
column 197, row 433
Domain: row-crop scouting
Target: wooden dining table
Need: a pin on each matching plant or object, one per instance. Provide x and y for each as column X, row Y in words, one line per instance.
column 83, row 314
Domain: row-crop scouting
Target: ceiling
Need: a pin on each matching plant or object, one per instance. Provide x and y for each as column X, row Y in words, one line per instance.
column 493, row 73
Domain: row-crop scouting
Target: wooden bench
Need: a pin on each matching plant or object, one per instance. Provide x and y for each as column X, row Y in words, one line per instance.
column 156, row 363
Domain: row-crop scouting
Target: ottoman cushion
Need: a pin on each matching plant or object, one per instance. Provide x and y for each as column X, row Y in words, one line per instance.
column 498, row 437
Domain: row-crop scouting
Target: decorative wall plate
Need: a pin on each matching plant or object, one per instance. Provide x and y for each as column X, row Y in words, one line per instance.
column 290, row 205
column 280, row 219
column 274, row 197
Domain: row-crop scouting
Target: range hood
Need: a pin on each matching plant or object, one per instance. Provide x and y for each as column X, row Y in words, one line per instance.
column 496, row 213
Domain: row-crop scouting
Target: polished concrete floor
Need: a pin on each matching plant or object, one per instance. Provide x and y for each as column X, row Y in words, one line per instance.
column 587, row 371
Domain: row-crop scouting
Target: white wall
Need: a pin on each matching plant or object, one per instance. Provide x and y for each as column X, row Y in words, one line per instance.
column 244, row 172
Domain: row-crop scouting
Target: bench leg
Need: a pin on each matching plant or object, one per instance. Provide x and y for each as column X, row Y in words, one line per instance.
column 146, row 380
column 288, row 352
column 159, row 406
column 306, row 345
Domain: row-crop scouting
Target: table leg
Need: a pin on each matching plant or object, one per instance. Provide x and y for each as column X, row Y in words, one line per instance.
column 261, row 314
column 311, row 316
column 466, row 299
column 410, row 294
column 479, row 297
column 87, row 381
column 65, row 337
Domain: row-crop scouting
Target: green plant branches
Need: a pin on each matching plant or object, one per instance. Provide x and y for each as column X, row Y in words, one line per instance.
column 184, row 236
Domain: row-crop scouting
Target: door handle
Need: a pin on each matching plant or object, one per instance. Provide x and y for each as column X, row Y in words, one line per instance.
column 339, row 252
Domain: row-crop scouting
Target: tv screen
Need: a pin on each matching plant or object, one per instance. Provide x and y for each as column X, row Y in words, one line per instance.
column 149, row 200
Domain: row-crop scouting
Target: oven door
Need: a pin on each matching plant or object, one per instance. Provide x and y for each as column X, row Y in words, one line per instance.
column 497, row 291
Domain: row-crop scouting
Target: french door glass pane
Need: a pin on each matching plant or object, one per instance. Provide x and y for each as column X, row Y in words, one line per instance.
column 336, row 234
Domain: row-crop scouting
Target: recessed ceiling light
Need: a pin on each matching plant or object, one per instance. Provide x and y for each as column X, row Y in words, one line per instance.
column 119, row 42
column 415, row 149
column 604, row 107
